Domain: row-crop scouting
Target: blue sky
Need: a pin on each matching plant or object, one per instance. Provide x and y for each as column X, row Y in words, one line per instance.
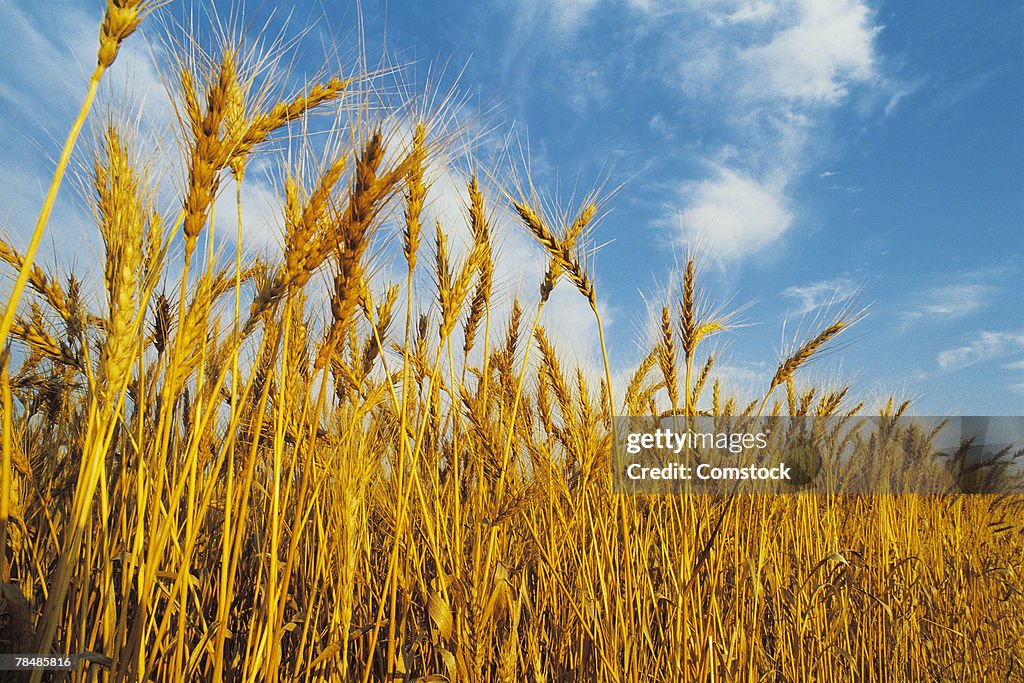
column 858, row 152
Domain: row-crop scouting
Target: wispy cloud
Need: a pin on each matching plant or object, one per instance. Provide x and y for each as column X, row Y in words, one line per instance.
column 568, row 13
column 946, row 97
column 758, row 10
column 587, row 87
column 806, row 52
column 564, row 16
column 950, row 301
column 819, row 294
column 43, row 69
column 742, row 381
column 986, row 346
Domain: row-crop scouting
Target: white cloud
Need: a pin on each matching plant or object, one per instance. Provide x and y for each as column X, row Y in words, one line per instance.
column 573, row 328
column 824, row 293
column 734, row 214
column 758, row 10
column 520, row 264
column 261, row 214
column 770, row 70
column 804, row 52
column 816, row 59
column 642, row 5
column 48, row 51
column 701, row 69
column 742, row 383
column 45, row 64
column 587, row 88
column 564, row 16
column 955, row 301
column 986, row 346
column 569, row 13
column 775, row 69
column 42, row 83
column 951, row 301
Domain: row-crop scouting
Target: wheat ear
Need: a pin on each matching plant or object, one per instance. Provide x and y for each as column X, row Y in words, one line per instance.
column 667, row 359
column 789, row 366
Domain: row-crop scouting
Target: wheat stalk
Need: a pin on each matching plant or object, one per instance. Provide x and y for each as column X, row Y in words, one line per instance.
column 802, row 355
column 791, row 364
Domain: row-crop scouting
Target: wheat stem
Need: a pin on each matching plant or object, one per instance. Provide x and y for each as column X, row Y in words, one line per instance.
column 48, row 201
column 5, row 464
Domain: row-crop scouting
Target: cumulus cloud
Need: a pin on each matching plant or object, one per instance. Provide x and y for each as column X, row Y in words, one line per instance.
column 734, row 214
column 818, row 57
column 986, row 346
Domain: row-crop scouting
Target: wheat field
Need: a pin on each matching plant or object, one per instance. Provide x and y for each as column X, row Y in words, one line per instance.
column 235, row 468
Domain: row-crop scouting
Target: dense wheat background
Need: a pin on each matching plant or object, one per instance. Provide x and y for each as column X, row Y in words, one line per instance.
column 226, row 471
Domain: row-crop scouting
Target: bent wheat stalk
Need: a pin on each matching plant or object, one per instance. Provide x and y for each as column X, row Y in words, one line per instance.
column 789, row 366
